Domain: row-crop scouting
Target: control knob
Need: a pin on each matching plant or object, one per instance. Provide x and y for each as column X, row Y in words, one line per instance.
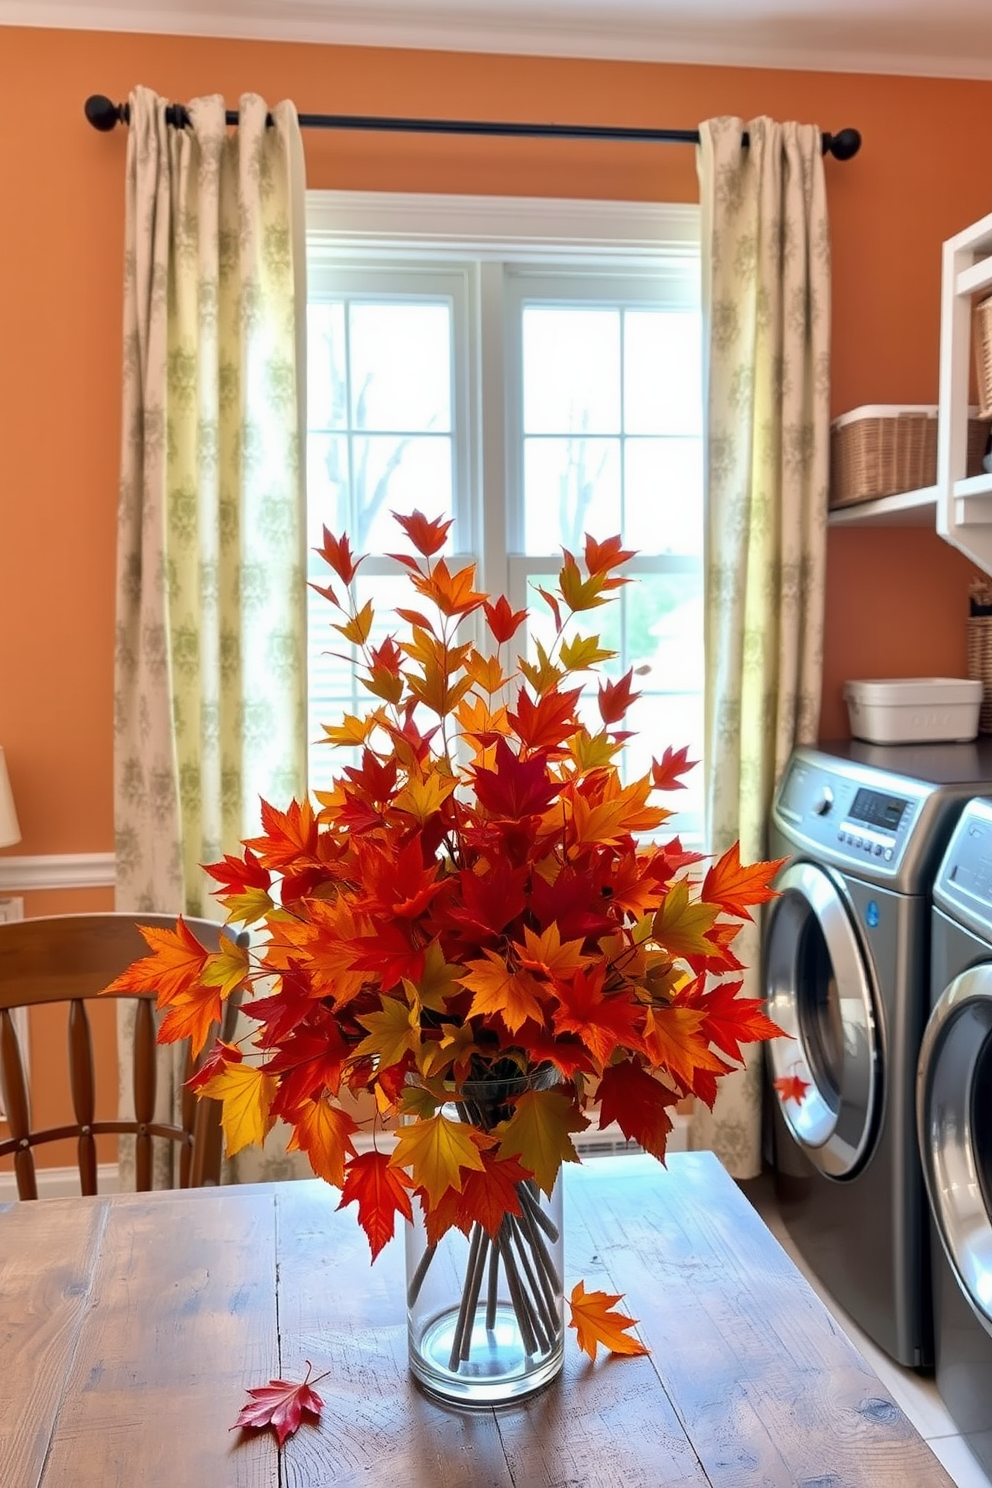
column 824, row 802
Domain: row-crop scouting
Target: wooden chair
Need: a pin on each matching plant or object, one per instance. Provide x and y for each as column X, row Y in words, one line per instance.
column 70, row 958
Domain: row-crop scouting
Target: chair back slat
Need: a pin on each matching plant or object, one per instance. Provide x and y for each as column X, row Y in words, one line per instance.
column 82, row 1083
column 15, row 1104
column 70, row 959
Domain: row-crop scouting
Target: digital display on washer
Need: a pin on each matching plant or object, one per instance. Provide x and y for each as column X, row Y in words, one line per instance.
column 878, row 810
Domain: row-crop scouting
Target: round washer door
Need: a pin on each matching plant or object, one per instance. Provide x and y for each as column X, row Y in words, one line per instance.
column 818, row 989
column 954, row 1124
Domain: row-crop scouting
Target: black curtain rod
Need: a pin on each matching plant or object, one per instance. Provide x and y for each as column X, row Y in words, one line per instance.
column 104, row 115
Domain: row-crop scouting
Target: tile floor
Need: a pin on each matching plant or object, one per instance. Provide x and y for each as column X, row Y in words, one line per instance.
column 916, row 1394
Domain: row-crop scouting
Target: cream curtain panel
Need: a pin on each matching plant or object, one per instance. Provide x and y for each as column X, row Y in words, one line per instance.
column 766, row 307
column 210, row 676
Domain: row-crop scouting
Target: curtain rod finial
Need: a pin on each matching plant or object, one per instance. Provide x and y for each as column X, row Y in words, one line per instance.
column 845, row 144
column 102, row 113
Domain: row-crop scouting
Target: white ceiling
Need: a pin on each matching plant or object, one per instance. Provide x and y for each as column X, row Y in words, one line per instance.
column 938, row 38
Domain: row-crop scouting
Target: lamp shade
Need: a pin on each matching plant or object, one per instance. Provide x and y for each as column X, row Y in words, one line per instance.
column 10, row 832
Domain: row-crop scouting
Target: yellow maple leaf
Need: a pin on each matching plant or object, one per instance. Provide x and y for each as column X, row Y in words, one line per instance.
column 422, row 798
column 499, row 988
column 351, row 730
column 436, row 1151
column 247, row 907
column 246, row 1094
column 323, row 1132
column 392, row 1032
column 227, row 967
column 681, row 925
column 538, row 1133
column 485, row 672
column 593, row 751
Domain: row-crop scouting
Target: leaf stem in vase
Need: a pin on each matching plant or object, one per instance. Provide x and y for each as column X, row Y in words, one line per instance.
column 417, row 1279
column 470, row 1293
column 529, row 1193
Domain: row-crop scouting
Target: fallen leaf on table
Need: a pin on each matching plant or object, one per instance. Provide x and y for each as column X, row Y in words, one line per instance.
column 279, row 1404
column 595, row 1322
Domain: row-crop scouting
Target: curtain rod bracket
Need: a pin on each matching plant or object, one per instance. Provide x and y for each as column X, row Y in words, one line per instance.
column 104, row 115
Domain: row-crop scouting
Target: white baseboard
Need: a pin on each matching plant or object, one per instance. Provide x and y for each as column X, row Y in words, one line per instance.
column 61, row 1183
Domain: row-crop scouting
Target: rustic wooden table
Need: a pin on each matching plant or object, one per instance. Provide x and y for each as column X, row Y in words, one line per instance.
column 130, row 1327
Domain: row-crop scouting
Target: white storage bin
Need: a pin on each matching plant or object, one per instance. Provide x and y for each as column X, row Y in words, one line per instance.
column 914, row 710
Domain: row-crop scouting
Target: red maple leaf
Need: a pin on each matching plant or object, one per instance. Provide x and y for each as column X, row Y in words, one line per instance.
column 515, row 788
column 237, row 874
column 730, row 1020
column 638, row 1103
column 336, row 553
column 427, row 535
column 380, row 1191
column 601, row 1023
column 543, row 725
column 602, row 556
column 280, row 1404
column 790, row 1087
column 503, row 621
column 616, row 697
column 289, row 839
column 487, row 1196
column 666, row 773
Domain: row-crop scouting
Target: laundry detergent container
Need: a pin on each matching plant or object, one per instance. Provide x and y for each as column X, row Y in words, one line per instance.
column 914, row 710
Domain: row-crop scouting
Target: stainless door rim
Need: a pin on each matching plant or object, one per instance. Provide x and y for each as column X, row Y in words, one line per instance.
column 958, row 1029
column 835, row 1130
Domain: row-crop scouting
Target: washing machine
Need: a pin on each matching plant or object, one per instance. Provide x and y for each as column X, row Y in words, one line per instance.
column 846, row 968
column 954, row 1116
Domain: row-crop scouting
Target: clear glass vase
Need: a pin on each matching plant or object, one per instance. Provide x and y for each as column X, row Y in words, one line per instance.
column 485, row 1312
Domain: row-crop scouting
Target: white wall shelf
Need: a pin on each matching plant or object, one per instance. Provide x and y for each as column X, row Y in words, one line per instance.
column 904, row 509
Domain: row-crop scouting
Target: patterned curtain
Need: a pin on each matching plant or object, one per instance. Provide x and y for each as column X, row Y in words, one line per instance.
column 210, row 676
column 766, row 305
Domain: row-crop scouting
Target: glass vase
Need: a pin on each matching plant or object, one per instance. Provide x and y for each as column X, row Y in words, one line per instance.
column 485, row 1310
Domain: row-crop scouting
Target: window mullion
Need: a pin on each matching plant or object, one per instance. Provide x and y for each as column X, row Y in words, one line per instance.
column 494, row 475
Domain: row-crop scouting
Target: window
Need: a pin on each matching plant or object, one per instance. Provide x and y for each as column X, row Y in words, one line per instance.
column 531, row 369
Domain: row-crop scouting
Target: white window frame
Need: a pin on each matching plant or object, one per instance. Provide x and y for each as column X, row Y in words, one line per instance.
column 635, row 241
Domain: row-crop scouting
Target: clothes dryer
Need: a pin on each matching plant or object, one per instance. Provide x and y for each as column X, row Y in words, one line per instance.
column 954, row 1115
column 846, row 974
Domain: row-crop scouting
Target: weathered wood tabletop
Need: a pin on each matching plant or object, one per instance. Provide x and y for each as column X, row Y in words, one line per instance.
column 130, row 1327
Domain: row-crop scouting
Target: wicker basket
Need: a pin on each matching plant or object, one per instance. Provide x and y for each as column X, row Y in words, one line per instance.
column 980, row 665
column 880, row 450
column 982, row 340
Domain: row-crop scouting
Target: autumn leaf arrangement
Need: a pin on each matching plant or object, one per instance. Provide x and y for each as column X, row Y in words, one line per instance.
column 478, row 905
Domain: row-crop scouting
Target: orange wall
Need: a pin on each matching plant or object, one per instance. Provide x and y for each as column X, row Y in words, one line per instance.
column 897, row 600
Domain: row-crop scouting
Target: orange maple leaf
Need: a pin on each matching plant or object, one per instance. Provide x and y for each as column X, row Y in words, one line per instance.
column 499, row 988
column 734, row 887
column 323, row 1132
column 175, row 969
column 674, row 1039
column 380, row 1191
column 191, row 1015
column 595, row 1322
column 451, row 592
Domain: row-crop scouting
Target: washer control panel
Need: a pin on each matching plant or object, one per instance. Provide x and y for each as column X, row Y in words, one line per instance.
column 963, row 885
column 855, row 817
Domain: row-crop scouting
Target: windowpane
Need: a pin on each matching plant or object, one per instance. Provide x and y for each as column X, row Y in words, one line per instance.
column 571, row 486
column 401, row 367
column 662, row 372
column 397, row 474
column 327, row 485
column 663, row 509
column 571, row 370
column 327, row 398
